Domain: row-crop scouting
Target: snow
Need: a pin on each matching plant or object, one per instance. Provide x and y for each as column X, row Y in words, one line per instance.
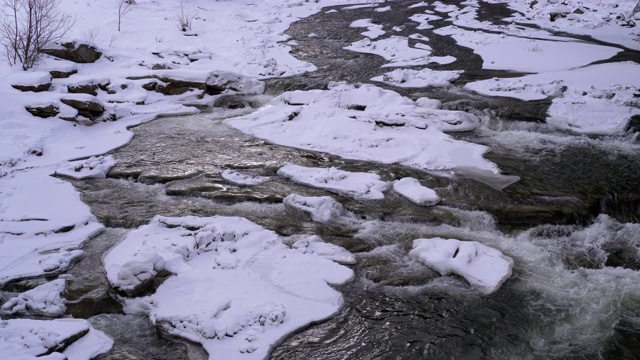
column 396, row 50
column 237, row 178
column 41, row 300
column 367, row 123
column 94, row 167
column 322, row 209
column 236, row 289
column 373, row 30
column 408, row 78
column 314, row 244
column 504, row 52
column 24, row 339
column 597, row 99
column 357, row 185
column 605, row 20
column 412, row 190
column 33, row 78
column 484, row 267
column 423, row 20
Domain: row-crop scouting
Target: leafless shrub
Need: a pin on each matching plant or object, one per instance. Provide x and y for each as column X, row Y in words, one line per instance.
column 185, row 19
column 91, row 35
column 28, row 26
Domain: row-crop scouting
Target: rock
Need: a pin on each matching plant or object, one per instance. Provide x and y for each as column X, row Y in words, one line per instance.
column 90, row 88
column 43, row 111
column 150, row 86
column 89, row 108
column 78, row 53
column 61, row 74
column 482, row 266
column 220, row 81
column 34, row 88
column 31, row 81
column 173, row 88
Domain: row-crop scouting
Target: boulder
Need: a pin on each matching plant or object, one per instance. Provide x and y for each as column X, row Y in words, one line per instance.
column 62, row 74
column 220, row 81
column 34, row 88
column 43, row 111
column 90, row 88
column 31, row 81
column 89, row 107
column 76, row 52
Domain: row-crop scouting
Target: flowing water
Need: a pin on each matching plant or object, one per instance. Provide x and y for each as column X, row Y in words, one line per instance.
column 570, row 224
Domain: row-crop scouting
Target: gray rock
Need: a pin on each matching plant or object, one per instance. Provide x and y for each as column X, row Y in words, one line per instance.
column 78, row 53
column 34, row 88
column 60, row 74
column 43, row 111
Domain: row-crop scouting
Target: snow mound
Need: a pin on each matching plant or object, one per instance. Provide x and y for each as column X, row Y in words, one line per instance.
column 315, row 245
column 44, row 300
column 71, row 339
column 407, row 78
column 356, row 185
column 29, row 78
column 412, row 190
column 367, row 123
column 236, row 289
column 322, row 209
column 94, row 167
column 482, row 266
column 237, row 178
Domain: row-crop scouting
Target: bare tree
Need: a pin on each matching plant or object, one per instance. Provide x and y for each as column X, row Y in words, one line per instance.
column 28, row 26
column 123, row 7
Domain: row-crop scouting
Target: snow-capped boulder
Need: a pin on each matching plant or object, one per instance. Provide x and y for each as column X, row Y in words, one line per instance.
column 483, row 267
column 36, row 81
column 43, row 111
column 412, row 190
column 41, row 300
column 76, row 52
column 94, row 167
column 357, row 185
column 240, row 179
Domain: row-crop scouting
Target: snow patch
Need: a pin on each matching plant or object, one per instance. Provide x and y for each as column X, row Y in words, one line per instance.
column 240, row 179
column 408, row 78
column 412, row 190
column 41, row 300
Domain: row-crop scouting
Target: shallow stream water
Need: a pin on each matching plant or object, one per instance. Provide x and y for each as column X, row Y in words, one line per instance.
column 570, row 223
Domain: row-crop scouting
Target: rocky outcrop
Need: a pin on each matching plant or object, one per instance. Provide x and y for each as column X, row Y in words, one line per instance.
column 88, row 107
column 215, row 83
column 62, row 74
column 43, row 111
column 90, row 88
column 34, row 88
column 76, row 52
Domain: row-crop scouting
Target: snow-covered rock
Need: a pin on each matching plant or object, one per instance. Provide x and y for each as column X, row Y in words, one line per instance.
column 322, row 209
column 94, row 167
column 396, row 51
column 41, row 300
column 238, row 178
column 409, row 78
column 237, row 288
column 357, row 185
column 60, row 339
column 412, row 190
column 483, row 267
column 314, row 244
